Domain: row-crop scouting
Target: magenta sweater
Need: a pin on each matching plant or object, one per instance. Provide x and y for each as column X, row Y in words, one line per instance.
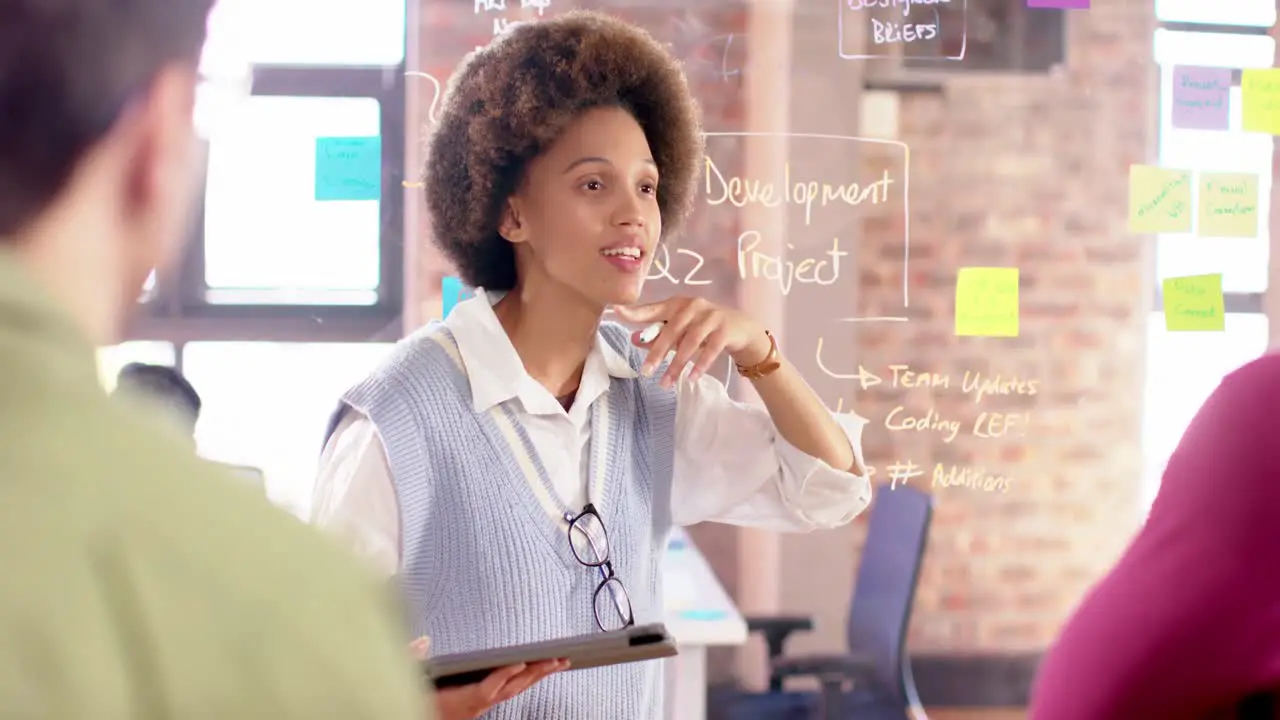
column 1187, row 624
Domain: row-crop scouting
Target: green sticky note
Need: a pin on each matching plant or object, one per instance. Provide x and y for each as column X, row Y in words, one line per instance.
column 1260, row 100
column 1159, row 200
column 348, row 168
column 1194, row 303
column 1228, row 205
column 987, row 302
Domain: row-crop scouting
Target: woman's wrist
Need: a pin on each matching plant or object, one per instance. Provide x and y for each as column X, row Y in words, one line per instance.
column 755, row 352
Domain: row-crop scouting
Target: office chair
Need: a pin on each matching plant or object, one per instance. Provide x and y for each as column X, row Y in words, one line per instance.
column 876, row 664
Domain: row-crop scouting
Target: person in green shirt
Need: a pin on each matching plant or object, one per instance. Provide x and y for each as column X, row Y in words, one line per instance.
column 137, row 581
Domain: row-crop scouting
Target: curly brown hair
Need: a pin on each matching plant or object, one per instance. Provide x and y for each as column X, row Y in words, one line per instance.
column 507, row 102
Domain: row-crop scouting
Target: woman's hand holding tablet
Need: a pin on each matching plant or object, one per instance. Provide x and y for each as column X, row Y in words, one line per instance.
column 466, row 702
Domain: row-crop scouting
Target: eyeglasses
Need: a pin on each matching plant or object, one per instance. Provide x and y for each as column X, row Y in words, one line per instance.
column 590, row 544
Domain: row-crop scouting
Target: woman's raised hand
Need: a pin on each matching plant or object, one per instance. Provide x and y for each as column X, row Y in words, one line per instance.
column 697, row 331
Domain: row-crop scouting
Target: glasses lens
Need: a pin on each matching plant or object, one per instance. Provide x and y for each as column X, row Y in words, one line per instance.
column 612, row 605
column 589, row 541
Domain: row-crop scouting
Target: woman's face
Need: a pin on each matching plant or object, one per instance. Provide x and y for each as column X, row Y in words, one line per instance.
column 586, row 215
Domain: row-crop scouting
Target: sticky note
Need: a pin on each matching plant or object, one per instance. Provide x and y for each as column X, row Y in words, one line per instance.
column 348, row 168
column 1228, row 205
column 1201, row 96
column 452, row 292
column 987, row 302
column 708, row 615
column 1194, row 303
column 1159, row 200
column 1260, row 100
column 1059, row 4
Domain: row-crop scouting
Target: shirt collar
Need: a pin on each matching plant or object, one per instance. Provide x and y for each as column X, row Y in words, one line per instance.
column 33, row 320
column 496, row 373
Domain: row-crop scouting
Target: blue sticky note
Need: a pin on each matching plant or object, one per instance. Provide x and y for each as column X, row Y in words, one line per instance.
column 348, row 168
column 452, row 292
column 704, row 614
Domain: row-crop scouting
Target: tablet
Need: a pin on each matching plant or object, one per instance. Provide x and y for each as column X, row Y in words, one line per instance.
column 644, row 642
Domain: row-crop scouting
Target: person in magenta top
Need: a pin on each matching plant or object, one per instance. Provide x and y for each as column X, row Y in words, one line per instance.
column 1187, row 624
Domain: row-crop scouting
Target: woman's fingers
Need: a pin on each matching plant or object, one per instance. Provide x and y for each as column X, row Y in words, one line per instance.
column 528, row 678
column 671, row 334
column 420, row 648
column 504, row 683
column 493, row 685
column 712, row 348
column 689, row 345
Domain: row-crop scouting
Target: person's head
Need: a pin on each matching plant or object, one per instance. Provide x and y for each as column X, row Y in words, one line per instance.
column 164, row 389
column 98, row 153
column 558, row 141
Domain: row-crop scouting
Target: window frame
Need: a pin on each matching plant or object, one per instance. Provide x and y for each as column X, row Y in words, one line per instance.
column 1234, row 302
column 179, row 311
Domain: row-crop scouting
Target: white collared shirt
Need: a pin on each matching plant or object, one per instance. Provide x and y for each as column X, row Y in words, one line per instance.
column 731, row 466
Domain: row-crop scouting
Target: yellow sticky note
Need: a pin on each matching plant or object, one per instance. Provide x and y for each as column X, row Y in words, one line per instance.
column 987, row 302
column 1159, row 200
column 1194, row 303
column 1260, row 100
column 1228, row 205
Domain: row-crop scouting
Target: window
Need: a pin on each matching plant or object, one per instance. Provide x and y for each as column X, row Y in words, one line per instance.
column 262, row 216
column 267, row 260
column 266, row 405
column 313, row 32
column 282, row 301
column 1242, row 261
column 1246, row 13
column 1182, row 369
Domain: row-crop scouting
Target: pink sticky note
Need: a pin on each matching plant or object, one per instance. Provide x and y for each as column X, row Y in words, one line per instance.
column 1200, row 97
column 1059, row 4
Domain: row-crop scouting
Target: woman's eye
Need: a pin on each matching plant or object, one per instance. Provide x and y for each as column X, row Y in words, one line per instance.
column 648, row 188
column 593, row 185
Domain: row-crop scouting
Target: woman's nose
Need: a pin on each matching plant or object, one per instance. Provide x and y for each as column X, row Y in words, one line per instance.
column 630, row 212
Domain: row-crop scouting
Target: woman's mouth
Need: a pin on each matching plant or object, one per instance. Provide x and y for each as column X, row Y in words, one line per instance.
column 625, row 259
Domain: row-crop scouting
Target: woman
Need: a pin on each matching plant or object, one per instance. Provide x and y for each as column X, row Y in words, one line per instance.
column 1187, row 624
column 566, row 150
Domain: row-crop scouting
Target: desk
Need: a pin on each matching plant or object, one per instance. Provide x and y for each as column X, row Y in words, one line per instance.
column 699, row 613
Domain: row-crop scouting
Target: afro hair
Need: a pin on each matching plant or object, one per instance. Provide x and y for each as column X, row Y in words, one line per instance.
column 508, row 102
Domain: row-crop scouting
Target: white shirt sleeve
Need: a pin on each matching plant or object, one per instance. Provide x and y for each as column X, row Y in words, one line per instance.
column 355, row 497
column 732, row 466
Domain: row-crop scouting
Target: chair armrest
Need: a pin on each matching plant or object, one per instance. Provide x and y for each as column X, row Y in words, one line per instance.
column 777, row 628
column 830, row 668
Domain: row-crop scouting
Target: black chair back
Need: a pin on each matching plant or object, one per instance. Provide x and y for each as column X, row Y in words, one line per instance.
column 885, row 589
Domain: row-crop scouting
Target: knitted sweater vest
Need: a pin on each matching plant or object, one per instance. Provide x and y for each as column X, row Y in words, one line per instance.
column 485, row 553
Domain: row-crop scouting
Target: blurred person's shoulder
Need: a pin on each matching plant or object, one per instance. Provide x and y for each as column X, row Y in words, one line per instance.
column 133, row 557
column 1245, row 396
column 1260, row 374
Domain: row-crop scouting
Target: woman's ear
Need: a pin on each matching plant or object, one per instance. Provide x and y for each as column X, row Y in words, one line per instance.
column 510, row 227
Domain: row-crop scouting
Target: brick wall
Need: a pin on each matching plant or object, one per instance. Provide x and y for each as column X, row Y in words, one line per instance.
column 1028, row 172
